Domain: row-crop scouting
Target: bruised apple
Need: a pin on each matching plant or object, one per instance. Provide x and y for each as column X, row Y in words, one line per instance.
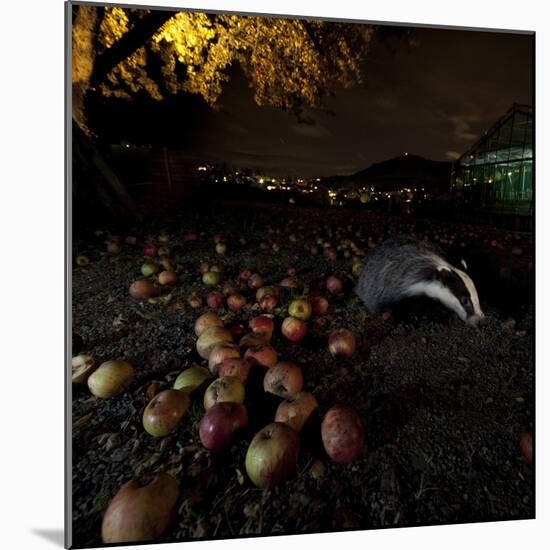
column 140, row 513
column 111, row 378
column 300, row 308
column 221, row 424
column 284, row 379
column 168, row 278
column 272, row 455
column 253, row 339
column 296, row 410
column 319, row 305
column 342, row 434
column 82, row 367
column 263, row 355
column 164, row 412
column 234, row 367
column 191, row 379
column 226, row 388
column 209, row 338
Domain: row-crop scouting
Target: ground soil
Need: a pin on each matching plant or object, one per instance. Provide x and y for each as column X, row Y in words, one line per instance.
column 443, row 404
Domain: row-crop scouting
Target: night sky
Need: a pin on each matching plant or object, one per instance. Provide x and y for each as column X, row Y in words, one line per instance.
column 431, row 93
column 433, row 98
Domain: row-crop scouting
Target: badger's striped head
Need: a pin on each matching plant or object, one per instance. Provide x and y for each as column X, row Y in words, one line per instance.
column 454, row 289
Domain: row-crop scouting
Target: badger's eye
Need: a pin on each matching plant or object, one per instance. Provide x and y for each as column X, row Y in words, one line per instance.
column 465, row 301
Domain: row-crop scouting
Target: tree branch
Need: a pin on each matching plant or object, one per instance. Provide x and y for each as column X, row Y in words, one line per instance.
column 136, row 37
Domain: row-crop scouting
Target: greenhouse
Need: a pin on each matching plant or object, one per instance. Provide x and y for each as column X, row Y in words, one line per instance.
column 496, row 173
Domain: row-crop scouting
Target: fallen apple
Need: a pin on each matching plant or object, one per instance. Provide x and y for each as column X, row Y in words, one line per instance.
column 150, row 250
column 234, row 367
column 293, row 329
column 194, row 300
column 263, row 355
column 220, row 352
column 226, row 388
column 341, row 343
column 296, row 410
column 221, row 424
column 168, row 278
column 82, row 367
column 342, row 434
column 113, row 247
column 207, row 320
column 290, row 282
column 143, row 289
column 526, row 446
column 148, row 268
column 140, row 514
column 235, row 302
column 284, row 379
column 111, row 378
column 215, row 300
column 211, row 278
column 300, row 308
column 164, row 251
column 319, row 305
column 164, row 412
column 209, row 338
column 334, row 284
column 82, row 260
column 255, row 281
column 262, row 324
column 221, row 248
column 191, row 379
column 272, row 455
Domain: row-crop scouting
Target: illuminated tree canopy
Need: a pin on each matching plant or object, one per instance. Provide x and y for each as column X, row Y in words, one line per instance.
column 289, row 63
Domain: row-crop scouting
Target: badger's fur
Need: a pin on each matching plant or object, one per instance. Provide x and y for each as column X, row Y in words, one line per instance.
column 404, row 267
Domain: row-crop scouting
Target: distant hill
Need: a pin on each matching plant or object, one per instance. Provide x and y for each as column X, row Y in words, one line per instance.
column 399, row 172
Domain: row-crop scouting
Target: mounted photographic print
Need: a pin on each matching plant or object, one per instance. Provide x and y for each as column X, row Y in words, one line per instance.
column 301, row 296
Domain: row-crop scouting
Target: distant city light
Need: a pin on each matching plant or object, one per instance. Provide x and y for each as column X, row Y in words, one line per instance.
column 261, row 180
column 202, row 168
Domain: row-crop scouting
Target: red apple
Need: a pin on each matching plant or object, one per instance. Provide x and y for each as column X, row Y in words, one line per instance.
column 207, row 320
column 334, row 284
column 234, row 366
column 300, row 308
column 284, row 379
column 111, row 378
column 215, row 299
column 204, row 267
column 293, row 329
column 221, row 424
column 140, row 514
column 272, row 455
column 244, row 275
column 164, row 412
column 342, row 434
column 263, row 324
column 143, row 289
column 296, row 410
column 291, row 271
column 255, row 281
column 227, row 388
column 235, row 302
column 526, row 446
column 221, row 352
column 168, row 278
column 319, row 305
column 209, row 338
column 263, row 355
column 341, row 343
column 150, row 250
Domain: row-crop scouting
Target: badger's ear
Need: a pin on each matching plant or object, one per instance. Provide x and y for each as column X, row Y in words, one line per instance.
column 444, row 273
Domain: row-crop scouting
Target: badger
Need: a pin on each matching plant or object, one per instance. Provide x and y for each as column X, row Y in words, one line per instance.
column 404, row 267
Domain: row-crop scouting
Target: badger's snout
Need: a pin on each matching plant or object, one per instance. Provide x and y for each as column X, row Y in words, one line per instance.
column 475, row 320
